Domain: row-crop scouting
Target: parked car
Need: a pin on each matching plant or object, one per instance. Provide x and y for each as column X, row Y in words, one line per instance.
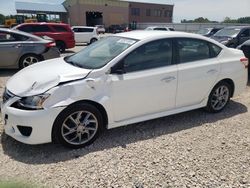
column 117, row 28
column 159, row 28
column 233, row 36
column 61, row 33
column 245, row 47
column 19, row 49
column 208, row 32
column 120, row 80
column 100, row 29
column 84, row 34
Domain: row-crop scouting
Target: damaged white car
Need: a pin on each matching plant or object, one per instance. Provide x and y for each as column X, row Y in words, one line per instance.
column 120, row 80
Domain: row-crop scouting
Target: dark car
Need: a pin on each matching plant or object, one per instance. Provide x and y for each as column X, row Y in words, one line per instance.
column 61, row 33
column 245, row 47
column 19, row 49
column 233, row 36
column 208, row 32
column 117, row 28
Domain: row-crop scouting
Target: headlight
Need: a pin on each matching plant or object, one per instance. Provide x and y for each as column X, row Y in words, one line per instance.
column 33, row 102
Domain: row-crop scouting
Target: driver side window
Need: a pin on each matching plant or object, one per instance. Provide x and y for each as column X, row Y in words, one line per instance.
column 148, row 56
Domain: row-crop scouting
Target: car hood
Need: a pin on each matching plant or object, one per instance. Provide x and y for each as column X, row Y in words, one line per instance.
column 40, row 77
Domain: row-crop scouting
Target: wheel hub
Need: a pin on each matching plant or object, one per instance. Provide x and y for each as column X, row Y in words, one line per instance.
column 80, row 129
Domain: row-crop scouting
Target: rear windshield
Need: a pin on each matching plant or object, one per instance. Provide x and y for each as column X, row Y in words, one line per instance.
column 227, row 32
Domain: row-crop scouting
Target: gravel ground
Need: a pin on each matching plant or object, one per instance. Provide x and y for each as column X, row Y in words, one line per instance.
column 192, row 149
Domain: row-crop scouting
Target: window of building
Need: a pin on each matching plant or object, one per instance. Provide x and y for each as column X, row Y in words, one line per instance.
column 168, row 13
column 135, row 12
column 148, row 12
column 157, row 13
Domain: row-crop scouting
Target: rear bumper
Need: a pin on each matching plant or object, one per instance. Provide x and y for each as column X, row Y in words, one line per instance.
column 51, row 53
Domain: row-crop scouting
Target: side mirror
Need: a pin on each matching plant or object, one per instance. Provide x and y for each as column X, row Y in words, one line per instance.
column 118, row 69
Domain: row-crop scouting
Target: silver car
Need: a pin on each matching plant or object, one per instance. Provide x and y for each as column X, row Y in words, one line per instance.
column 19, row 49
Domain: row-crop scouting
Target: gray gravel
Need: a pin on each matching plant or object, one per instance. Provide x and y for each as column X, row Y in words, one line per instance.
column 192, row 149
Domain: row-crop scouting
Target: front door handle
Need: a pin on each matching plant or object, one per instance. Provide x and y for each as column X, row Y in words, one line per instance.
column 17, row 45
column 168, row 79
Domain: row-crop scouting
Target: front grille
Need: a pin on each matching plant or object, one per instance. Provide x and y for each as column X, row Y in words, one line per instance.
column 7, row 95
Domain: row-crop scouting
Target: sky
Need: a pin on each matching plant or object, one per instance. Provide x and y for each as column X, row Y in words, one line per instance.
column 215, row 10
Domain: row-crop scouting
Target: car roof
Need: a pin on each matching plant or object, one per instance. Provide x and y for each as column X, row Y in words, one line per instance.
column 236, row 27
column 21, row 33
column 154, row 35
column 43, row 23
column 83, row 27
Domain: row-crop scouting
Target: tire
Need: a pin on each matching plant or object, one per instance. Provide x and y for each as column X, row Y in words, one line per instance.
column 93, row 40
column 61, row 46
column 28, row 60
column 219, row 97
column 77, row 126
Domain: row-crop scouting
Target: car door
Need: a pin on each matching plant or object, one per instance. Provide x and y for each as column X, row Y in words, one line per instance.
column 148, row 84
column 198, row 70
column 10, row 49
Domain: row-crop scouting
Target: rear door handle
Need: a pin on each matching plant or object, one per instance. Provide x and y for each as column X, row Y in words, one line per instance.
column 212, row 71
column 168, row 79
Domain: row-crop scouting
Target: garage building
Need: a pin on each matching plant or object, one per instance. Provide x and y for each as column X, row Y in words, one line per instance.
column 110, row 12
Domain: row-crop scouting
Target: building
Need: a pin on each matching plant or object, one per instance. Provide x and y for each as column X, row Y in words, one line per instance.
column 110, row 12
column 54, row 12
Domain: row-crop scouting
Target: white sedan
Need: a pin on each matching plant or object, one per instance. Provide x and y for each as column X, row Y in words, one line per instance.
column 120, row 80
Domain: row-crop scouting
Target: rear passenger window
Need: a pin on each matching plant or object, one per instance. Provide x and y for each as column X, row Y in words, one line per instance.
column 85, row 30
column 60, row 28
column 192, row 50
column 151, row 55
column 215, row 50
column 41, row 28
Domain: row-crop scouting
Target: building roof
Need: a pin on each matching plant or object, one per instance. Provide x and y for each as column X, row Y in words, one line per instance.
column 160, row 2
column 41, row 7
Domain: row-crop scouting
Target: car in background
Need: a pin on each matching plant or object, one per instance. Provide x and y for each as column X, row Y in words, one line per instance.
column 122, row 79
column 117, row 28
column 232, row 36
column 19, row 49
column 158, row 28
column 208, row 32
column 84, row 34
column 100, row 29
column 245, row 47
column 61, row 33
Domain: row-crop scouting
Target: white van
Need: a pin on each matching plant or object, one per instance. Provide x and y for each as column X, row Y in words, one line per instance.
column 85, row 34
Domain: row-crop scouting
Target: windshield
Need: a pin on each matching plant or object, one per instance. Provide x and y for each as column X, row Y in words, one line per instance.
column 230, row 32
column 100, row 53
column 203, row 31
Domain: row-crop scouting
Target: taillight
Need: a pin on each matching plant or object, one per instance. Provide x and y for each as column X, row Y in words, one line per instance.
column 244, row 61
column 51, row 44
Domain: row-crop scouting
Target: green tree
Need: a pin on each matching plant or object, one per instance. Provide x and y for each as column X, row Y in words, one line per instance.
column 229, row 20
column 244, row 20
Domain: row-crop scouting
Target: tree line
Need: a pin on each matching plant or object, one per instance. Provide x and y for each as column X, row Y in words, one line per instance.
column 243, row 20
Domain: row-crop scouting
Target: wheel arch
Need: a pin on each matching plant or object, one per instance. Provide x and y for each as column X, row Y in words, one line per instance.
column 230, row 82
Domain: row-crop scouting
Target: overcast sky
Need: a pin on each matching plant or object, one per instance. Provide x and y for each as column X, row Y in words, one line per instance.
column 215, row 10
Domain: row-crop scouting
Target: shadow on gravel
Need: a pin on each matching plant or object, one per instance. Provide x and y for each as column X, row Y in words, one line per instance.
column 119, row 137
column 7, row 72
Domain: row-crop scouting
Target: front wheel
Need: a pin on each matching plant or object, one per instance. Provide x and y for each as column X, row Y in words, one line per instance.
column 78, row 126
column 219, row 97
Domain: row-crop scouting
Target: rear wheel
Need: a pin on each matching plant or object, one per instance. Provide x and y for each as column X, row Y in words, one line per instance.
column 28, row 60
column 78, row 126
column 219, row 97
column 93, row 40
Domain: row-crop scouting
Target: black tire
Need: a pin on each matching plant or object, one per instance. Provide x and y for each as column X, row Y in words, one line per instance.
column 61, row 46
column 93, row 40
column 219, row 97
column 65, row 129
column 27, row 60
